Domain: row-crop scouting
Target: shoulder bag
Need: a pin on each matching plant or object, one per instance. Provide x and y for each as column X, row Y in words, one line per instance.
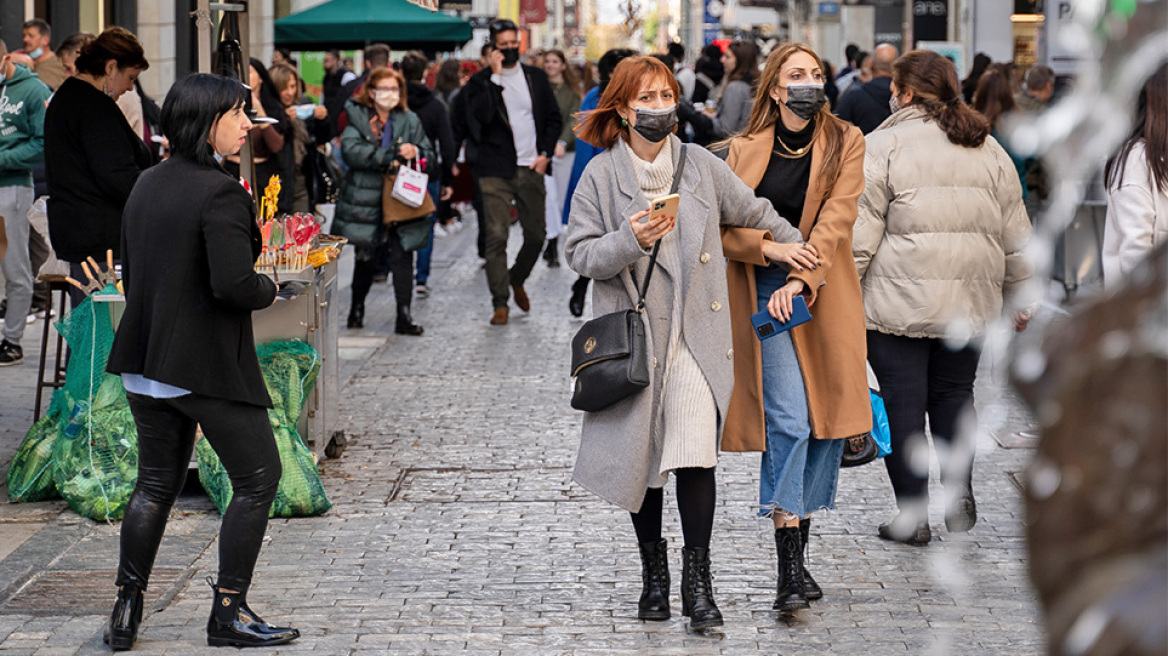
column 610, row 358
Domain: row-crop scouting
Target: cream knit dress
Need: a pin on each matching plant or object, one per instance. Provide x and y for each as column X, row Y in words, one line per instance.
column 687, row 417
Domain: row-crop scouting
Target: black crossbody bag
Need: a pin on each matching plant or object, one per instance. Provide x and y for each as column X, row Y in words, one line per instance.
column 610, row 357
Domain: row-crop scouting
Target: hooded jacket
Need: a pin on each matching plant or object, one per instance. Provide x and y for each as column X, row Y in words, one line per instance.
column 436, row 124
column 22, row 126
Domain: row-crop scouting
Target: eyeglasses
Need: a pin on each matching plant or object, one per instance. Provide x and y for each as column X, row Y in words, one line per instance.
column 502, row 25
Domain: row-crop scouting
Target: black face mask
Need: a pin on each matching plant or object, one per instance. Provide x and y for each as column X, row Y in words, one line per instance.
column 656, row 124
column 510, row 56
column 805, row 100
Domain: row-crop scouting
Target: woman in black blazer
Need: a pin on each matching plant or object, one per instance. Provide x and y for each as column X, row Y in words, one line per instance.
column 185, row 352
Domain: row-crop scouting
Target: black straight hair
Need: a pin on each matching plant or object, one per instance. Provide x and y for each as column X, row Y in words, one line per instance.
column 270, row 97
column 191, row 109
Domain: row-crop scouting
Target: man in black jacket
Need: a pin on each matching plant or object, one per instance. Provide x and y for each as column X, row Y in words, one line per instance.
column 866, row 105
column 436, row 124
column 509, row 116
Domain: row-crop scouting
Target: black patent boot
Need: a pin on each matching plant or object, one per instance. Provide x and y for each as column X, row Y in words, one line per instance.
column 122, row 630
column 814, row 592
column 232, row 624
column 551, row 254
column 654, row 603
column 697, row 590
column 405, row 324
column 791, row 590
column 579, row 292
column 357, row 315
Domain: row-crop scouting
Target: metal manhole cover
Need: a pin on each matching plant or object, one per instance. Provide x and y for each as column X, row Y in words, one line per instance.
column 86, row 592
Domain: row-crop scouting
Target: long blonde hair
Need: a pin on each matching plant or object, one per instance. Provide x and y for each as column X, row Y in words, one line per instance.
column 764, row 113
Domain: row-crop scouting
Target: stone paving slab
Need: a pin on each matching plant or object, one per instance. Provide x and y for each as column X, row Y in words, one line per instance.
column 457, row 529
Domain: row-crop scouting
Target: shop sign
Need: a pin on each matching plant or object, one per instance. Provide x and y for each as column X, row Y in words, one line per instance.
column 571, row 21
column 930, row 20
column 532, row 11
column 829, row 9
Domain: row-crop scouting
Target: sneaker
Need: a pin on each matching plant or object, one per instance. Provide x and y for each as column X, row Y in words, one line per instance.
column 10, row 354
column 440, row 231
column 422, row 290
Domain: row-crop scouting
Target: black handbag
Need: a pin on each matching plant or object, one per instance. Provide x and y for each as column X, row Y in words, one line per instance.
column 610, row 357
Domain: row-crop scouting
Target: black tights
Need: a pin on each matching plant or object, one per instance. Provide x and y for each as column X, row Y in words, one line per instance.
column 241, row 435
column 696, row 494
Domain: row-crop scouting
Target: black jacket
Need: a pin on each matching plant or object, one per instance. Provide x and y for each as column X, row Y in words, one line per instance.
column 436, row 123
column 480, row 118
column 92, row 160
column 189, row 246
column 866, row 105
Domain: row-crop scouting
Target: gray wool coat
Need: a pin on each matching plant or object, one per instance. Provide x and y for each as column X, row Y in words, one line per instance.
column 618, row 446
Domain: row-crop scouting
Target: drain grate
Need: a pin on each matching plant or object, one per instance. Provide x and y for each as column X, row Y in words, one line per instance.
column 87, row 592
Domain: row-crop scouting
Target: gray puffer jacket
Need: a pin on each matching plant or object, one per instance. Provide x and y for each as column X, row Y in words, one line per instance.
column 358, row 213
column 941, row 231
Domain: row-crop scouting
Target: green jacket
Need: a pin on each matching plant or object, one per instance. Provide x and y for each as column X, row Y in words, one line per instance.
column 358, row 213
column 22, row 126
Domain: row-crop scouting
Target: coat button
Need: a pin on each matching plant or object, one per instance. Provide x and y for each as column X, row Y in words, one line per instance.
column 654, row 362
column 716, row 306
column 705, row 258
column 730, row 354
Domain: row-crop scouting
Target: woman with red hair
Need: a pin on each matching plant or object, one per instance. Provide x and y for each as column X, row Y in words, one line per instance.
column 628, row 450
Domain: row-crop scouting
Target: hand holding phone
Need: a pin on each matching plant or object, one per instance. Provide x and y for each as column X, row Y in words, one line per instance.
column 766, row 326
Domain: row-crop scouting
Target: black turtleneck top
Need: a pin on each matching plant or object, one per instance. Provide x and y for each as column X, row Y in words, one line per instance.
column 785, row 182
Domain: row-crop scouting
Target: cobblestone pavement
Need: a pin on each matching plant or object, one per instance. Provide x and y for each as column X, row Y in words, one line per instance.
column 456, row 526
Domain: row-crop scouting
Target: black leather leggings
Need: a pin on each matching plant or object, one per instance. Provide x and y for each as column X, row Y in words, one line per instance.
column 242, row 438
column 387, row 256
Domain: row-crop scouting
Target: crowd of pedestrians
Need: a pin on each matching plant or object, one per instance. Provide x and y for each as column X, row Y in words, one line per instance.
column 887, row 198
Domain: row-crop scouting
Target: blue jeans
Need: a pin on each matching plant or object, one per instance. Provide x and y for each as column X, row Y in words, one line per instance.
column 423, row 267
column 799, row 473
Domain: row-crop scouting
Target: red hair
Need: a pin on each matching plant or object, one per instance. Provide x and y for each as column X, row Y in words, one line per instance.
column 602, row 126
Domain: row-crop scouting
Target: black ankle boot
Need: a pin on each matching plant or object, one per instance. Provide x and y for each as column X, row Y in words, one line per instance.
column 654, row 603
column 579, row 291
column 791, row 590
column 405, row 325
column 357, row 315
column 697, row 589
column 813, row 590
column 232, row 624
column 122, row 630
column 552, row 253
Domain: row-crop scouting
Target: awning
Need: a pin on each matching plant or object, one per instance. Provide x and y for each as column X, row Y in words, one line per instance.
column 357, row 23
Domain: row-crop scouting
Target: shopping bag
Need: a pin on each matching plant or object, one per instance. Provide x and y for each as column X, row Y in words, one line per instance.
column 880, row 431
column 409, row 186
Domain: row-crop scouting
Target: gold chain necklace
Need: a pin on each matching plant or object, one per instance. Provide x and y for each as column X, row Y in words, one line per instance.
column 792, row 153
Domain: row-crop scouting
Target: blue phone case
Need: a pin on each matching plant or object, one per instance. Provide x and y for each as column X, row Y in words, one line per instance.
column 766, row 326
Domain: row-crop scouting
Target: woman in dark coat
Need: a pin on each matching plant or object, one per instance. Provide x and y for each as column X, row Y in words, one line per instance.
column 185, row 352
column 382, row 133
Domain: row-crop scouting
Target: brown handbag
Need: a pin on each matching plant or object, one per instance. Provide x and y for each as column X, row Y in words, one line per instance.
column 395, row 211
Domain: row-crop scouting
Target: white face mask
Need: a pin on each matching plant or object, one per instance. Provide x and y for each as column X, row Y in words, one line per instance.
column 386, row 100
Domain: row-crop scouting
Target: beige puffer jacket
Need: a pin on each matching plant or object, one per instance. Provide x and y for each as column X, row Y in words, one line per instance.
column 941, row 231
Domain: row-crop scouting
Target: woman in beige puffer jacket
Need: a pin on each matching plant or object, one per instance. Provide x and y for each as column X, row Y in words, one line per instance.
column 938, row 243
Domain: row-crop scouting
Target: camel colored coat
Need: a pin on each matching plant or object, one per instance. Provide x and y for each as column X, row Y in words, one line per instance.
column 832, row 346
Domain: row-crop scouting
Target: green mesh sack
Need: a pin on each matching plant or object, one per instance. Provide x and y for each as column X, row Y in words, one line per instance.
column 95, row 455
column 29, row 475
column 290, row 369
column 85, row 447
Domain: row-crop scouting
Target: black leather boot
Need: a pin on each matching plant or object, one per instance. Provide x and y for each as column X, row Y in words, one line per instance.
column 791, row 590
column 697, row 589
column 579, row 291
column 813, row 590
column 122, row 630
column 654, row 603
column 405, row 325
column 357, row 315
column 552, row 253
column 232, row 624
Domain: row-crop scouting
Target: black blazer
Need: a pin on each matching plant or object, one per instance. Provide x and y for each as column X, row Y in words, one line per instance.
column 189, row 244
column 92, row 160
column 479, row 116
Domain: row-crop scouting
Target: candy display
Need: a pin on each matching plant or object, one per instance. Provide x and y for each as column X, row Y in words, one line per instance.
column 290, row 243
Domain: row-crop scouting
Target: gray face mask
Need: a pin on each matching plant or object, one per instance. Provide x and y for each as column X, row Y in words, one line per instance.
column 805, row 99
column 656, row 124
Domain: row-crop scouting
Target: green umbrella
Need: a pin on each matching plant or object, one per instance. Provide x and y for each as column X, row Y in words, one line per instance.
column 357, row 23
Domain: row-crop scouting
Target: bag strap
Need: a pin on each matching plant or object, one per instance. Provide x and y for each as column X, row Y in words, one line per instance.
column 644, row 289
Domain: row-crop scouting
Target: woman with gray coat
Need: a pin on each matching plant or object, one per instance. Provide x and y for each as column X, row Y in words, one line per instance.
column 628, row 450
